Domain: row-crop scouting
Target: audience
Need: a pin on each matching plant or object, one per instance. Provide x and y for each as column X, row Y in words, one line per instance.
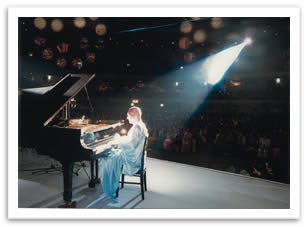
column 258, row 142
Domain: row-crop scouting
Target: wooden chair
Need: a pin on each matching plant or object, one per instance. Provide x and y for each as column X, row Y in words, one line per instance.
column 141, row 173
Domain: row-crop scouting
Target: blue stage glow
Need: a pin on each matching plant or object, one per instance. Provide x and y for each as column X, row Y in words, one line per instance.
column 216, row 66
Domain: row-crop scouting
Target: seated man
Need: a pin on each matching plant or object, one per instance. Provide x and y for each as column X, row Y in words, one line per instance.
column 126, row 157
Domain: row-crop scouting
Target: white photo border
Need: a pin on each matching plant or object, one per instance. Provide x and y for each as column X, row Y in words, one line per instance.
column 154, row 11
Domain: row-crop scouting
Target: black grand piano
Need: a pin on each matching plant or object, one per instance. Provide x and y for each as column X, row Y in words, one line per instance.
column 45, row 124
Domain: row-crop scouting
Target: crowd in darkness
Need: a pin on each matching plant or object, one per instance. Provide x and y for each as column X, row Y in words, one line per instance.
column 258, row 142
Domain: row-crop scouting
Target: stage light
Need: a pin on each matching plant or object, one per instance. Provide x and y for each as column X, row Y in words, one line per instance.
column 91, row 57
column 132, row 104
column 30, row 54
column 177, row 84
column 57, row 25
column 40, row 41
column 200, row 36
column 79, row 22
column 61, row 62
column 184, row 43
column 49, row 77
column 188, row 57
column 235, row 83
column 161, row 105
column 277, row 80
column 248, row 41
column 217, row 65
column 100, row 29
column 40, row 23
column 217, row 22
column 181, row 67
column 186, row 27
column 77, row 63
column 93, row 18
column 135, row 101
column 47, row 53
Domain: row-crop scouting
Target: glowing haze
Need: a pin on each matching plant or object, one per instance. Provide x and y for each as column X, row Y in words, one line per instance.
column 217, row 65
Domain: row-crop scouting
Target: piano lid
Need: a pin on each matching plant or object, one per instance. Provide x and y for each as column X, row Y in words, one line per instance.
column 49, row 101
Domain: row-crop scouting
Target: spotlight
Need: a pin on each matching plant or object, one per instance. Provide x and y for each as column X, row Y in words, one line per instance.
column 184, row 43
column 177, row 84
column 49, row 77
column 217, row 65
column 277, row 80
column 181, row 67
column 93, row 18
column 57, row 25
column 161, row 105
column 186, row 27
column 199, row 36
column 40, row 23
column 248, row 41
column 61, row 62
column 217, row 23
column 79, row 22
column 100, row 29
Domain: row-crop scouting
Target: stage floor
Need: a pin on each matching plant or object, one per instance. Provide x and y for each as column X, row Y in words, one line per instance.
column 170, row 185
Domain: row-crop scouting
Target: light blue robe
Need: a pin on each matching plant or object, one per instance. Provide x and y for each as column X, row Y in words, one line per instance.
column 125, row 159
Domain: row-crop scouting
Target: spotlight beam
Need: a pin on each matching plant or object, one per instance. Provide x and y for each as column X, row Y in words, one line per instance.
column 216, row 66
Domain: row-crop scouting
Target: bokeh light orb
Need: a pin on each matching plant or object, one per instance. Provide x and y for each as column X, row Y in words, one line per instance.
column 91, row 57
column 77, row 63
column 93, row 18
column 40, row 41
column 79, row 22
column 47, row 53
column 184, row 43
column 188, row 57
column 40, row 23
column 57, row 25
column 100, row 29
column 186, row 27
column 217, row 23
column 61, row 62
column 199, row 36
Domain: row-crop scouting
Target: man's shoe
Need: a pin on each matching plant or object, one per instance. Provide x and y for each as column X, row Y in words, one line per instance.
column 72, row 204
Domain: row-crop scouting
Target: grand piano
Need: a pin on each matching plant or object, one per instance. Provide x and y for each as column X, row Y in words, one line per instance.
column 45, row 124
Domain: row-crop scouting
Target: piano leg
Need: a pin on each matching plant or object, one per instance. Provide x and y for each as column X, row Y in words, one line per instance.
column 94, row 176
column 68, row 168
column 97, row 179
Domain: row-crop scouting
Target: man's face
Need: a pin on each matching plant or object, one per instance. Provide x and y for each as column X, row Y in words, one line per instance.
column 130, row 119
